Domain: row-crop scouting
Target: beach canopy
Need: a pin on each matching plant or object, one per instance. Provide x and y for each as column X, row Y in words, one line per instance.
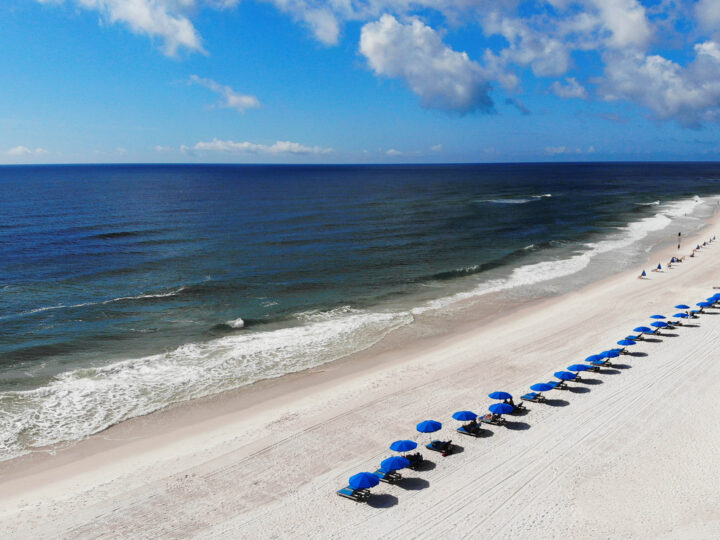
column 682, row 306
column 500, row 395
column 429, row 426
column 394, row 463
column 363, row 480
column 565, row 375
column 501, row 408
column 578, row 367
column 612, row 353
column 541, row 387
column 658, row 317
column 403, row 446
column 681, row 315
column 659, row 324
column 464, row 416
column 626, row 342
column 642, row 329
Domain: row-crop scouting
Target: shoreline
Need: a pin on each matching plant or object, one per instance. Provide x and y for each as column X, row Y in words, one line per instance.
column 216, row 429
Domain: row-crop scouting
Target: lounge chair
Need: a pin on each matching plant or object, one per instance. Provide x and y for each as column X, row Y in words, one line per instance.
column 444, row 447
column 471, row 429
column 357, row 495
column 533, row 396
column 416, row 460
column 494, row 419
column 558, row 385
column 389, row 477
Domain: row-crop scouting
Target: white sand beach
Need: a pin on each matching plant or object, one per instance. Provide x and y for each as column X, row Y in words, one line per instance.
column 631, row 452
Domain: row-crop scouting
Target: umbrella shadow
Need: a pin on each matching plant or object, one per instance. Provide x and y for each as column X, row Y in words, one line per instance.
column 671, row 335
column 638, row 354
column 653, row 340
column 578, row 390
column 517, row 426
column 591, row 381
column 456, row 449
column 556, row 402
column 382, row 500
column 691, row 326
column 609, row 371
column 520, row 412
column 622, row 366
column 412, row 484
column 426, row 465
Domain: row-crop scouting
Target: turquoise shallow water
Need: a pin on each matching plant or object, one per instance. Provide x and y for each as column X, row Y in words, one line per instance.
column 125, row 288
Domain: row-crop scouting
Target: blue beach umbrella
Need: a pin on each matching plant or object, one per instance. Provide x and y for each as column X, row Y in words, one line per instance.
column 659, row 266
column 403, row 446
column 704, row 304
column 578, row 367
column 565, row 375
column 500, row 395
column 697, row 247
column 594, row 358
column 643, row 329
column 631, row 338
column 643, row 274
column 626, row 342
column 681, row 315
column 363, row 480
column 429, row 426
column 658, row 317
column 612, row 353
column 541, row 387
column 501, row 408
column 394, row 463
column 659, row 324
column 682, row 306
column 464, row 416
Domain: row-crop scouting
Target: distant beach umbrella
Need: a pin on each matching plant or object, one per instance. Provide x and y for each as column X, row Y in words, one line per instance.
column 578, row 367
column 403, row 446
column 363, row 480
column 682, row 306
column 464, row 416
column 541, row 387
column 704, row 304
column 631, row 338
column 612, row 353
column 644, row 274
column 659, row 266
column 501, row 408
column 565, row 375
column 500, row 395
column 394, row 463
column 594, row 358
column 429, row 426
column 626, row 342
column 643, row 329
column 697, row 247
column 598, row 363
column 659, row 324
column 681, row 315
column 658, row 317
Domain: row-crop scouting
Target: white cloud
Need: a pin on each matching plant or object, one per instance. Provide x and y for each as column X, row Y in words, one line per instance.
column 163, row 149
column 441, row 77
column 393, row 152
column 571, row 88
column 437, row 148
column 280, row 147
column 19, row 151
column 689, row 94
column 708, row 14
column 230, row 99
column 552, row 150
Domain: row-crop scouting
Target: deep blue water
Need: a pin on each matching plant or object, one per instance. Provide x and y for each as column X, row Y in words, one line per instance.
column 151, row 264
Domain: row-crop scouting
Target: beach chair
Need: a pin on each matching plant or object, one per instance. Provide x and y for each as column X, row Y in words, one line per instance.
column 444, row 447
column 494, row 419
column 388, row 477
column 558, row 385
column 357, row 495
column 533, row 396
column 518, row 407
column 470, row 429
column 416, row 460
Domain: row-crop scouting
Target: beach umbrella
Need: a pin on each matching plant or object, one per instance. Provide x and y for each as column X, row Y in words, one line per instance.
column 565, row 375
column 697, row 247
column 643, row 329
column 464, row 416
column 681, row 315
column 403, row 446
column 578, row 367
column 598, row 362
column 659, row 324
column 541, row 387
column 429, row 426
column 632, row 338
column 643, row 274
column 659, row 266
column 612, row 353
column 501, row 408
column 594, row 358
column 394, row 463
column 658, row 317
column 704, row 304
column 682, row 306
column 500, row 395
column 363, row 480
column 626, row 342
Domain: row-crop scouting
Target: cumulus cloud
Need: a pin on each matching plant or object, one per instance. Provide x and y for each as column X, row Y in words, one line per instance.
column 708, row 14
column 441, row 77
column 280, row 147
column 19, row 151
column 394, row 153
column 571, row 88
column 689, row 94
column 229, row 98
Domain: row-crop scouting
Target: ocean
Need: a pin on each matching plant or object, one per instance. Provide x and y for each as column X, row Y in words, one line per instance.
column 126, row 288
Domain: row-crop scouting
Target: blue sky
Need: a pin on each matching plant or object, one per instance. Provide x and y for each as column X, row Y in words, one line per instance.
column 358, row 81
